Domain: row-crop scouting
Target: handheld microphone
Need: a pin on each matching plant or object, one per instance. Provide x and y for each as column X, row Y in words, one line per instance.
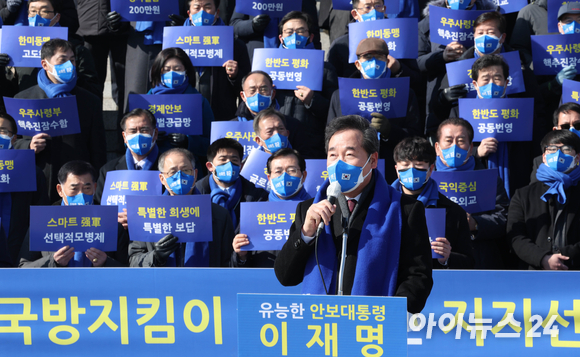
column 331, row 193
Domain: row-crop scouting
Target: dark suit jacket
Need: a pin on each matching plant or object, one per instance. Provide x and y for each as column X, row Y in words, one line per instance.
column 531, row 228
column 89, row 145
column 414, row 279
column 141, row 254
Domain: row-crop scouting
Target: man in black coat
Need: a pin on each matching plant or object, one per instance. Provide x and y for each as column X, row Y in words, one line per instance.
column 415, row 159
column 177, row 166
column 89, row 145
column 543, row 224
column 224, row 183
column 396, row 259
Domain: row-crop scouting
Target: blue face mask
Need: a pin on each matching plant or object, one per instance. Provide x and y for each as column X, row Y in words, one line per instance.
column 258, row 102
column 173, row 79
column 180, row 183
column 79, row 200
column 372, row 15
column 140, row 144
column 295, row 41
column 64, row 73
column 571, row 28
column 276, row 142
column 227, row 172
column 375, row 68
column 202, row 18
column 37, row 20
column 487, row 44
column 286, row 185
column 454, row 156
column 458, row 4
column 572, row 129
column 348, row 176
column 412, row 178
column 491, row 90
column 559, row 161
column 5, row 142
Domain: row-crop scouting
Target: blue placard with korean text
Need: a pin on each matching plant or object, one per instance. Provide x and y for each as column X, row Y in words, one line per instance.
column 473, row 190
column 386, row 96
column 392, row 6
column 447, row 25
column 459, row 72
column 17, row 171
column 435, row 218
column 267, row 224
column 52, row 116
column 207, row 46
column 122, row 183
column 254, row 170
column 242, row 131
column 506, row 119
column 551, row 53
column 289, row 68
column 570, row 91
column 145, row 10
column 274, row 8
column 23, row 43
column 553, row 7
column 509, row 6
column 318, row 173
column 395, row 32
column 175, row 113
column 320, row 325
column 81, row 227
column 187, row 217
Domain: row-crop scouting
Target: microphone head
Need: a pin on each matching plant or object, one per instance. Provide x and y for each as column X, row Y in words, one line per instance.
column 333, row 189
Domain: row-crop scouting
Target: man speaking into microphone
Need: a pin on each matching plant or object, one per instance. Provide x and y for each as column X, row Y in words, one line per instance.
column 387, row 251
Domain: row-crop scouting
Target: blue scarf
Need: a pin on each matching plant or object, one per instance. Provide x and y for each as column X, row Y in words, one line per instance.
column 79, row 260
column 500, row 160
column 196, row 254
column 149, row 160
column 228, row 201
column 243, row 119
column 152, row 31
column 302, row 195
column 559, row 182
column 468, row 166
column 428, row 196
column 161, row 89
column 378, row 248
column 55, row 90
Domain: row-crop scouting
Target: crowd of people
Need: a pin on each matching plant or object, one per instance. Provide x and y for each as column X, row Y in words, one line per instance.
column 533, row 225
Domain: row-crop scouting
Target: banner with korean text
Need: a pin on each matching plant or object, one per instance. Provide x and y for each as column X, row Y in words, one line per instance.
column 570, row 91
column 53, row 116
column 122, row 183
column 459, row 72
column 17, row 171
column 23, row 43
column 274, row 8
column 254, row 170
column 81, row 227
column 509, row 6
column 289, row 68
column 395, row 32
column 552, row 53
column 267, row 224
column 187, row 217
column 506, row 119
column 447, row 25
column 175, row 113
column 473, row 190
column 242, row 131
column 293, row 325
column 386, row 96
column 207, row 46
column 145, row 10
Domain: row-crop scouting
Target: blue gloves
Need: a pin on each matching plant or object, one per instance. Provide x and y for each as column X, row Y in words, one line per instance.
column 567, row 73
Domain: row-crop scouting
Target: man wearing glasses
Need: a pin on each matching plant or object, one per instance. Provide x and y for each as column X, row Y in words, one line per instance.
column 178, row 176
column 543, row 226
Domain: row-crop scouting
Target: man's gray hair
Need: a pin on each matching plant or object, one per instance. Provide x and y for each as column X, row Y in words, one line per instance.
column 370, row 141
column 184, row 152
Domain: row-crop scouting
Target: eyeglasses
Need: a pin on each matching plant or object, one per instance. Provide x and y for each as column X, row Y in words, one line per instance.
column 369, row 8
column 173, row 172
column 370, row 56
column 5, row 132
column 299, row 31
column 567, row 126
column 42, row 13
column 143, row 130
column 554, row 149
column 292, row 171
